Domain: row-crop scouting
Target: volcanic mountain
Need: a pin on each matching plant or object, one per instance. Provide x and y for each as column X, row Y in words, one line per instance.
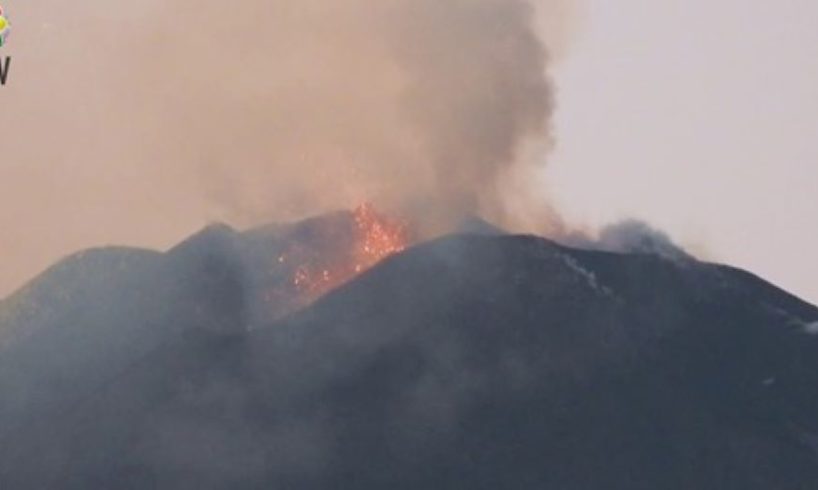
column 476, row 360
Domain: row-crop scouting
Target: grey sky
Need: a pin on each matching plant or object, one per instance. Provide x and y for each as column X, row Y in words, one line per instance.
column 702, row 118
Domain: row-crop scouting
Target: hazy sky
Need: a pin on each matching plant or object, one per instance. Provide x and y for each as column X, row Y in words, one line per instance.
column 702, row 118
column 699, row 117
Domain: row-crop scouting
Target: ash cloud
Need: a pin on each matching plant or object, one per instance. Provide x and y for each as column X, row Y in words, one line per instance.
column 416, row 104
column 141, row 124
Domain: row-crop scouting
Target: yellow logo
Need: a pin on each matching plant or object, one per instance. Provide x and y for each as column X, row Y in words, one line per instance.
column 5, row 27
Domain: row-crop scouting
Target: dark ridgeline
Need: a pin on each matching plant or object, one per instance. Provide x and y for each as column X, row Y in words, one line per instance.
column 474, row 361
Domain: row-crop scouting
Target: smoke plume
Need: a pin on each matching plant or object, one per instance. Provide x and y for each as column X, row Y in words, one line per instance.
column 140, row 124
column 630, row 236
column 298, row 110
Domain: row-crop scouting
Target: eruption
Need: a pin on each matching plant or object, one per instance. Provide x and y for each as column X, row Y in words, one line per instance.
column 286, row 110
column 375, row 237
column 329, row 252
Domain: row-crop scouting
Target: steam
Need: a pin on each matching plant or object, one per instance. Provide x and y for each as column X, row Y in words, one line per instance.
column 141, row 124
column 419, row 104
column 629, row 236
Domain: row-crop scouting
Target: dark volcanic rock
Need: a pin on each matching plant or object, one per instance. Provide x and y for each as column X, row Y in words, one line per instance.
column 469, row 362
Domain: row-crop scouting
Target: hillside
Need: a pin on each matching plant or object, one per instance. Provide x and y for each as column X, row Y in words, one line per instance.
column 466, row 362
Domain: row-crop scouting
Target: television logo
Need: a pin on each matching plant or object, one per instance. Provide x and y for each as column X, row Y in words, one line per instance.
column 5, row 27
column 5, row 63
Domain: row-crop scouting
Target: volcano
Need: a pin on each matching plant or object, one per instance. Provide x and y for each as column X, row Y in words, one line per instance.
column 475, row 360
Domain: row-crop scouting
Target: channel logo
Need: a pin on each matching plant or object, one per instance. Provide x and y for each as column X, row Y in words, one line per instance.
column 5, row 27
column 5, row 62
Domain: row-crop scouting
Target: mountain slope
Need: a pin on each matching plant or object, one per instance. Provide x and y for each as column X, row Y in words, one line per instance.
column 468, row 362
column 74, row 280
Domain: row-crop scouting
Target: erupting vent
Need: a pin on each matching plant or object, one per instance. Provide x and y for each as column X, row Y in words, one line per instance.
column 333, row 255
column 375, row 238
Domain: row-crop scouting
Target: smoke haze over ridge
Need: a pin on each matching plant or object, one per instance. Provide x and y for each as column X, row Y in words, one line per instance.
column 140, row 124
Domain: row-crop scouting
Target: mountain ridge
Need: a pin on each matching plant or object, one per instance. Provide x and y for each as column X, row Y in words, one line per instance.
column 476, row 360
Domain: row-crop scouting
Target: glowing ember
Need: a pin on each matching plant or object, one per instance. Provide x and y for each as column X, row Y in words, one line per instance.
column 376, row 237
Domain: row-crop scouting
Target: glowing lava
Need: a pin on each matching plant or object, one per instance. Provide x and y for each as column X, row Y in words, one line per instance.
column 375, row 237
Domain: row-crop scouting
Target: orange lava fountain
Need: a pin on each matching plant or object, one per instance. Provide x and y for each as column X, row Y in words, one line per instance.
column 376, row 237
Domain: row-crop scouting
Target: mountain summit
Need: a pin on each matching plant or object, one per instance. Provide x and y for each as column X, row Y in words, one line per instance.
column 478, row 361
